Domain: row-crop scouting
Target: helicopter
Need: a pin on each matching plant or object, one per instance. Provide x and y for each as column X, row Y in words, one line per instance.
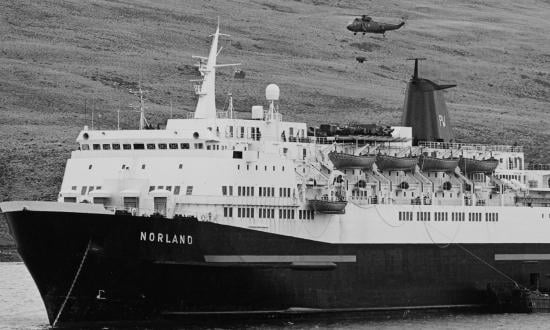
column 365, row 24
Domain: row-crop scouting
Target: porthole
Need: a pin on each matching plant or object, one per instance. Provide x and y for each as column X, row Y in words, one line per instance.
column 196, row 135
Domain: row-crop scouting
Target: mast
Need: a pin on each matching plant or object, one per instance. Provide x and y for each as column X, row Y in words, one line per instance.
column 205, row 88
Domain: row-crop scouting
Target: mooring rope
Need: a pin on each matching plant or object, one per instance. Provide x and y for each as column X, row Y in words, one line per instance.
column 73, row 283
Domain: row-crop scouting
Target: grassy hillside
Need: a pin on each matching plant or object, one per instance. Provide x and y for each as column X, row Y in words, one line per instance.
column 61, row 59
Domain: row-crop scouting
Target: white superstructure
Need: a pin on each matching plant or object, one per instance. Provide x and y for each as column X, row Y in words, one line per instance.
column 262, row 173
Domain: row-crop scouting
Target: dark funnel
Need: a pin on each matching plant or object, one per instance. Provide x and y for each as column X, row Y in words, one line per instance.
column 425, row 110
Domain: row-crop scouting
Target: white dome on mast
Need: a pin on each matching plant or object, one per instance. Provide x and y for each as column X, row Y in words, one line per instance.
column 272, row 92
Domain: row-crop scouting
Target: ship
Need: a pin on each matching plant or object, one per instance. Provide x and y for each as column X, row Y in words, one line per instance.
column 219, row 215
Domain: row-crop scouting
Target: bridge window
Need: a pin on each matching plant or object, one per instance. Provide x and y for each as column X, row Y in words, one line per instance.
column 139, row 146
column 162, row 146
column 97, row 146
column 151, row 146
column 184, row 145
column 106, row 146
column 173, row 146
column 116, row 146
column 127, row 146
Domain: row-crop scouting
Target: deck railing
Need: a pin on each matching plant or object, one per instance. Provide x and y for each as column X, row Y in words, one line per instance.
column 467, row 146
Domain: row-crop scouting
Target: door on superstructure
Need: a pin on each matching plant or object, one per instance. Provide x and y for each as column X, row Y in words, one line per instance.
column 131, row 204
column 160, row 205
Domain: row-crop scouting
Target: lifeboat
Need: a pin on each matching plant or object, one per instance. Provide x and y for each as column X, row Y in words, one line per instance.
column 391, row 163
column 433, row 164
column 468, row 165
column 328, row 206
column 343, row 160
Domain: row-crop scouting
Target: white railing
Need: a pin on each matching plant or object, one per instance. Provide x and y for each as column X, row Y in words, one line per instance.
column 467, row 146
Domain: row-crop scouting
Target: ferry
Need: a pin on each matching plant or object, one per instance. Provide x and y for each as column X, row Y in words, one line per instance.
column 223, row 215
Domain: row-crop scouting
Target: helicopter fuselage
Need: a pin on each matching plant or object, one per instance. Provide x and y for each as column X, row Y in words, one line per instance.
column 359, row 26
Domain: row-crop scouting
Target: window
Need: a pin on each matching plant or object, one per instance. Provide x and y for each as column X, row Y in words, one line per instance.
column 176, row 190
column 83, row 190
column 184, row 145
column 189, row 190
column 169, row 188
column 173, row 145
column 230, row 190
column 106, row 146
column 97, row 146
column 142, row 166
column 180, row 166
column 199, row 146
column 69, row 200
column 116, row 146
column 239, row 191
column 162, row 146
column 151, row 146
column 224, row 190
column 151, row 188
column 139, row 146
column 90, row 166
column 160, row 187
column 127, row 146
column 73, row 188
column 90, row 189
column 85, row 147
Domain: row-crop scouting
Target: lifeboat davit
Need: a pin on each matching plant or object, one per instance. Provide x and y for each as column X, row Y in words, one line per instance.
column 434, row 164
column 343, row 160
column 328, row 206
column 468, row 165
column 392, row 163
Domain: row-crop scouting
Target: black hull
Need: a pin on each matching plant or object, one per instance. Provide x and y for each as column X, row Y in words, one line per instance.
column 143, row 280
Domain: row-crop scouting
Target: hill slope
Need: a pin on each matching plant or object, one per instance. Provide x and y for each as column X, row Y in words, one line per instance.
column 61, row 59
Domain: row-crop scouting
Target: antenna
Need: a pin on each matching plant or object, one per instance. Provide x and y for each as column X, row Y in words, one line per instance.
column 142, row 120
column 416, row 59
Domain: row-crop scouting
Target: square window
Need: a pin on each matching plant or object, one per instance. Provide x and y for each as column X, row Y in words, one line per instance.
column 73, row 188
column 116, row 146
column 189, row 190
column 85, row 147
column 169, row 188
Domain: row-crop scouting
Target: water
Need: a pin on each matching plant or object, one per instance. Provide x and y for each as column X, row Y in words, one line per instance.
column 21, row 308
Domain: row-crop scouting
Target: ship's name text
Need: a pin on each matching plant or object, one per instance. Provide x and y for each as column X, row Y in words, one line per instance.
column 165, row 238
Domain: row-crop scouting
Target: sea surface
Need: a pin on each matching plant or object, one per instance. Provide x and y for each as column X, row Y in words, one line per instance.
column 21, row 308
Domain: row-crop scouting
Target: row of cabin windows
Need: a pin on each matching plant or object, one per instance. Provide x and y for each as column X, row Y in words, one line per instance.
column 148, row 146
column 286, row 214
column 264, row 213
column 267, row 213
column 405, row 216
column 250, row 191
column 245, row 191
column 245, row 212
column 188, row 191
column 257, row 167
column 176, row 189
column 284, row 192
column 444, row 216
column 306, row 214
column 441, row 216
